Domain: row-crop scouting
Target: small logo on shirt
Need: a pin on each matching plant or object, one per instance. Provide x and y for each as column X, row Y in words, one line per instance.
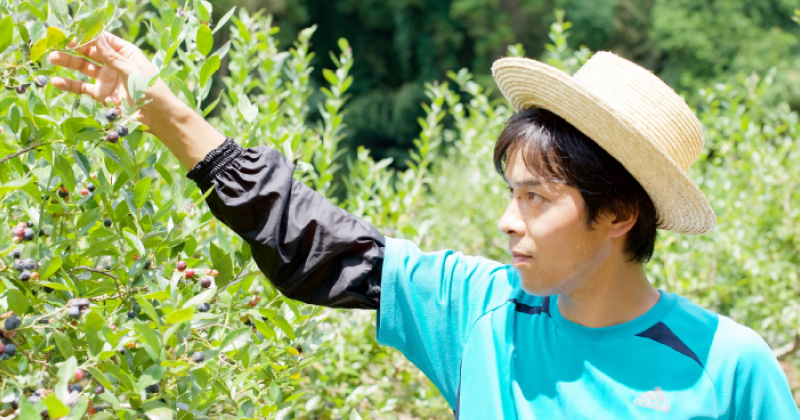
column 654, row 399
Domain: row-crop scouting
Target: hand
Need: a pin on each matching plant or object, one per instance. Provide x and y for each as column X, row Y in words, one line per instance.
column 118, row 59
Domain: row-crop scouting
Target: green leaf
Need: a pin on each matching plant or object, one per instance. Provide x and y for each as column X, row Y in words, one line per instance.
column 235, row 340
column 59, row 9
column 209, row 68
column 100, row 377
column 134, row 241
column 17, row 301
column 49, row 266
column 79, row 409
column 55, row 37
column 205, row 40
column 202, row 10
column 202, row 297
column 65, row 374
column 141, row 190
column 91, row 25
column 55, row 408
column 26, row 410
column 147, row 308
column 180, row 315
column 63, row 343
column 38, row 49
column 159, row 413
column 224, row 19
column 249, row 111
column 149, row 340
column 223, row 263
column 138, row 83
column 64, row 171
column 6, row 32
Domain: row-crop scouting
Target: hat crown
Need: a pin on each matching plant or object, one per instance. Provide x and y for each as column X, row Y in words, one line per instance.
column 646, row 104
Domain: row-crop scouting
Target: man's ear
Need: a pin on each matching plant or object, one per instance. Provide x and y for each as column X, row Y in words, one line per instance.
column 622, row 222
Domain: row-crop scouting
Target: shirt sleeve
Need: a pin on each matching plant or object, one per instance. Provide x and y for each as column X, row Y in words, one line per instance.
column 761, row 390
column 309, row 248
column 429, row 301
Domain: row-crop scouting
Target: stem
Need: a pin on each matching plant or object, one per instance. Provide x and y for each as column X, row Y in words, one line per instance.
column 27, row 149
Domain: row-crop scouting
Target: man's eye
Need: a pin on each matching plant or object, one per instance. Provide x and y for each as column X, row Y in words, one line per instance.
column 532, row 196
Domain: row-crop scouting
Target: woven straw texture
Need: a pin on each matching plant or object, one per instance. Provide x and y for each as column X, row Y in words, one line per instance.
column 630, row 113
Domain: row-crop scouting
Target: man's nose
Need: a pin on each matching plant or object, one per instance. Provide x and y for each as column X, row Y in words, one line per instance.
column 511, row 222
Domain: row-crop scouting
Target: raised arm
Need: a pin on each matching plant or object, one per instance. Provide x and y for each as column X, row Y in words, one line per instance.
column 310, row 249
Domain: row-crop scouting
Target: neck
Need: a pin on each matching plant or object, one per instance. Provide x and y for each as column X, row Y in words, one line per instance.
column 616, row 295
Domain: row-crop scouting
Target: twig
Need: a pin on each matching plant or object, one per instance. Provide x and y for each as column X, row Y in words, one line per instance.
column 788, row 348
column 27, row 149
column 96, row 270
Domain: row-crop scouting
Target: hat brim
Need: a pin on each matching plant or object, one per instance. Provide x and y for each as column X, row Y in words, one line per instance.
column 680, row 205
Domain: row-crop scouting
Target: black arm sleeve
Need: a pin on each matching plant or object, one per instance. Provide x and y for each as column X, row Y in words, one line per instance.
column 310, row 249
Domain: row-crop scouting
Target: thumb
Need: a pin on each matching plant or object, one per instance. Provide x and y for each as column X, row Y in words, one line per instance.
column 112, row 58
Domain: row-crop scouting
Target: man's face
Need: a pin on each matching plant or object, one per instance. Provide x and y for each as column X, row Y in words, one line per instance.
column 550, row 242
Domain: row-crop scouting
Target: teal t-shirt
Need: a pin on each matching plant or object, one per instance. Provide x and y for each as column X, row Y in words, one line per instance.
column 495, row 351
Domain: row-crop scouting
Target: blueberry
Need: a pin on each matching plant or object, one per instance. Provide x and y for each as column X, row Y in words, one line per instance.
column 82, row 303
column 29, row 224
column 44, row 320
column 16, row 254
column 29, row 264
column 198, row 357
column 41, row 80
column 25, row 275
column 152, row 389
column 122, row 131
column 29, row 234
column 12, row 323
column 47, row 290
column 99, row 389
column 107, row 223
column 203, row 307
column 147, row 265
column 90, row 186
column 74, row 312
column 19, row 265
column 205, row 282
column 10, row 350
column 75, row 388
column 132, row 314
column 112, row 114
column 21, row 89
column 34, row 398
column 112, row 137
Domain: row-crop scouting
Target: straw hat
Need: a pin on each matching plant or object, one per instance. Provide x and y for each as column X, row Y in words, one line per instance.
column 630, row 113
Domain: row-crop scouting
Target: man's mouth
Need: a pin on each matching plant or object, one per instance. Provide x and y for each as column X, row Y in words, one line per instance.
column 519, row 258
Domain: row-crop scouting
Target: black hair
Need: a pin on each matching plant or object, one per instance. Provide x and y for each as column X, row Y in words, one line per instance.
column 557, row 152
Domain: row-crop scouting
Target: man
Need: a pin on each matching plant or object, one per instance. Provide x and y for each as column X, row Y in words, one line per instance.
column 572, row 328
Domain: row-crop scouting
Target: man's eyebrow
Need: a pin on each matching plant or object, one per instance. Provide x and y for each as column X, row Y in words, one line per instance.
column 527, row 182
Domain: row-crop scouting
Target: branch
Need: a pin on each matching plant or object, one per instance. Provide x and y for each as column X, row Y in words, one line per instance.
column 27, row 149
column 96, row 270
column 788, row 348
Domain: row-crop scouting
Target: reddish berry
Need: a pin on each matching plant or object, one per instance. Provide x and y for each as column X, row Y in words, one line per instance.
column 181, row 265
column 78, row 375
column 213, row 272
column 135, row 257
column 112, row 137
column 189, row 273
column 205, row 282
column 84, row 192
column 35, row 275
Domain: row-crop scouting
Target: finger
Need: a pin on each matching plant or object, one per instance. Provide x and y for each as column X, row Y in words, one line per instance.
column 74, row 63
column 74, row 86
column 110, row 57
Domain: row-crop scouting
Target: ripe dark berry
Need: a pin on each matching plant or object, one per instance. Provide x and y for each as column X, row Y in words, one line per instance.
column 180, row 266
column 82, row 303
column 41, row 80
column 19, row 265
column 122, row 131
column 74, row 312
column 29, row 224
column 203, row 307
column 99, row 389
column 21, row 89
column 205, row 282
column 29, row 234
column 152, row 389
column 16, row 254
column 132, row 314
column 30, row 264
column 63, row 192
column 112, row 137
column 25, row 275
column 90, row 186
column 147, row 265
column 198, row 357
column 107, row 223
column 12, row 323
column 75, row 388
column 10, row 350
column 112, row 114
column 44, row 321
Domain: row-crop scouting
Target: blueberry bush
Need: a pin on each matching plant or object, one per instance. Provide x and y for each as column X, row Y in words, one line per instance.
column 122, row 297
